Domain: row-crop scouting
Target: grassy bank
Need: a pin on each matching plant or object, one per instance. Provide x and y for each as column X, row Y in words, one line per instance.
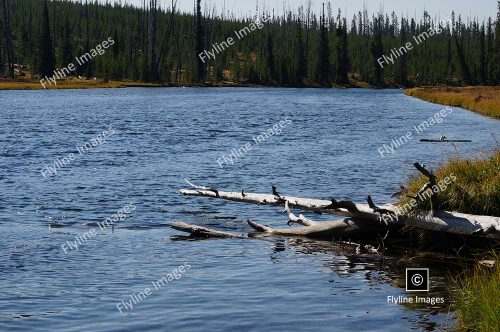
column 75, row 83
column 476, row 189
column 8, row 84
column 478, row 299
column 484, row 100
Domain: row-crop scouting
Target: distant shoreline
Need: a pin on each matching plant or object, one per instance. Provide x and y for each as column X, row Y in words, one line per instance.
column 76, row 83
column 484, row 100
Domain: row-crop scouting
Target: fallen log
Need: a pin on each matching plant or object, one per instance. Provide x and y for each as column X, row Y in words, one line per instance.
column 203, row 231
column 327, row 230
column 443, row 221
column 319, row 206
column 436, row 140
column 319, row 231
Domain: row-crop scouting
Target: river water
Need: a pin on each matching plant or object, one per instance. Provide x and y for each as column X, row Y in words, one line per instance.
column 142, row 143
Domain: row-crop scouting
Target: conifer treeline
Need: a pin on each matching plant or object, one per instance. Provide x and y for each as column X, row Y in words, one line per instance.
column 293, row 49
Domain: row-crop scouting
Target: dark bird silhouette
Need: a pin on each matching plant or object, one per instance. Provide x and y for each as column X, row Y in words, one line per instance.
column 376, row 209
column 348, row 205
column 243, row 193
column 275, row 192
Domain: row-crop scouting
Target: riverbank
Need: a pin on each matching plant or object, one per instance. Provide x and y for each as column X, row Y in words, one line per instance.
column 484, row 100
column 476, row 190
column 76, row 83
column 477, row 298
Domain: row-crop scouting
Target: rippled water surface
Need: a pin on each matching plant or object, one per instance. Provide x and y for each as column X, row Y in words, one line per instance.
column 164, row 135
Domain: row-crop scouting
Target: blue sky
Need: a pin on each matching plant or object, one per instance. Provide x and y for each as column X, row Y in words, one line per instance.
column 475, row 8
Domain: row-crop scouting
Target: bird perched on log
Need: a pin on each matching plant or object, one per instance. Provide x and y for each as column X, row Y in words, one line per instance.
column 378, row 210
column 243, row 193
column 277, row 195
column 348, row 205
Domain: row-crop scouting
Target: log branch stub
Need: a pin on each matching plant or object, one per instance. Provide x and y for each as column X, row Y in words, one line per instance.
column 428, row 186
column 292, row 218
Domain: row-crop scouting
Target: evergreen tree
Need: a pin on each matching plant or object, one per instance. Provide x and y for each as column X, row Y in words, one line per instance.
column 89, row 71
column 270, row 69
column 489, row 48
column 300, row 57
column 449, row 60
column 47, row 60
column 199, row 37
column 9, row 48
column 402, row 77
column 495, row 60
column 116, row 46
column 66, row 55
column 464, row 67
column 482, row 58
column 342, row 63
column 1, row 58
column 377, row 51
column 323, row 65
column 281, row 53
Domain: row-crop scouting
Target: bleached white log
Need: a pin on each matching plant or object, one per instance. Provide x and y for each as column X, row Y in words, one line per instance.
column 292, row 218
column 306, row 204
column 444, row 221
column 321, row 230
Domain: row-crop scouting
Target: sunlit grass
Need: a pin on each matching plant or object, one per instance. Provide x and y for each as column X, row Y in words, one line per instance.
column 478, row 298
column 484, row 100
column 476, row 189
column 74, row 83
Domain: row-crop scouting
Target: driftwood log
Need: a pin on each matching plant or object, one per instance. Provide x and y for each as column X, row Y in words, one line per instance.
column 326, row 230
column 329, row 230
column 203, row 231
column 359, row 216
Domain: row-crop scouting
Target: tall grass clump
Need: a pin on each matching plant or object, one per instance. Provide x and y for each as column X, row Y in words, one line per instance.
column 476, row 189
column 477, row 299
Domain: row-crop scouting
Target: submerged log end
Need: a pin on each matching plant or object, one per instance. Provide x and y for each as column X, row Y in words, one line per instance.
column 202, row 231
column 259, row 227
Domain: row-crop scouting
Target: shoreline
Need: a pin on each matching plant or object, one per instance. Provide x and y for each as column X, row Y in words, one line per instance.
column 484, row 100
column 75, row 83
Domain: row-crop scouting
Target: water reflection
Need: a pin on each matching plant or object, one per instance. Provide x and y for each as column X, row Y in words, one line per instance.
column 371, row 271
